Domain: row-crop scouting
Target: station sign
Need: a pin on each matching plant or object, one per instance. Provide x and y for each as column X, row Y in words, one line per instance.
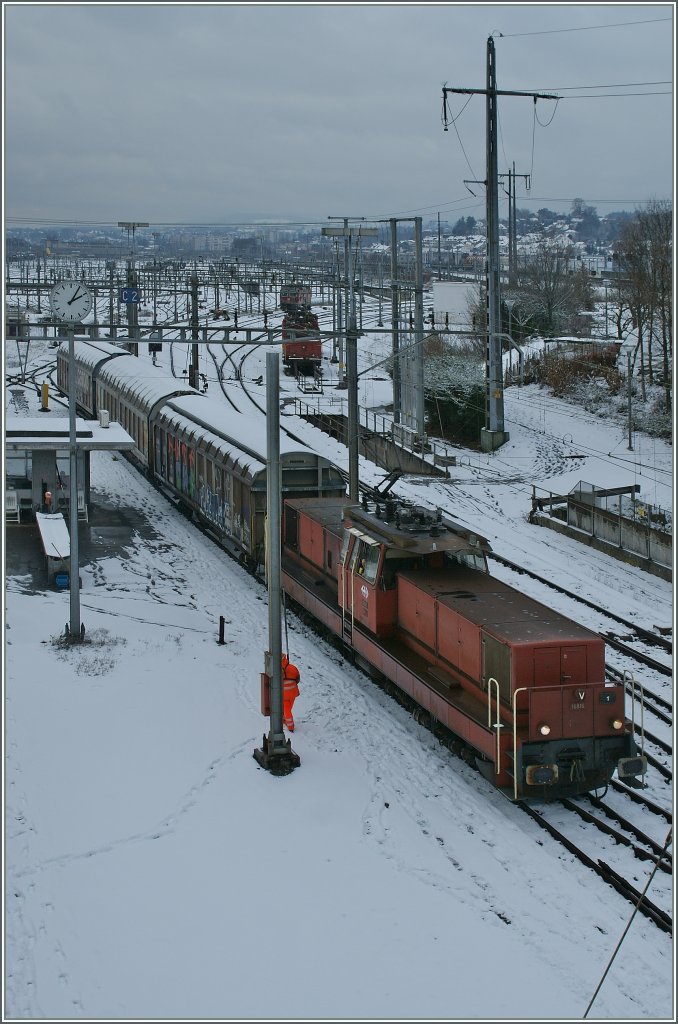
column 130, row 295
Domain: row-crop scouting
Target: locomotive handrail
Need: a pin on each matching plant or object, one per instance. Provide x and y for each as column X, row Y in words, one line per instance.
column 632, row 679
column 515, row 739
column 347, row 571
column 497, row 724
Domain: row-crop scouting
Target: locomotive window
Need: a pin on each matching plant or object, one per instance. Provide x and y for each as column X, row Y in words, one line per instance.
column 468, row 559
column 365, row 560
column 345, row 545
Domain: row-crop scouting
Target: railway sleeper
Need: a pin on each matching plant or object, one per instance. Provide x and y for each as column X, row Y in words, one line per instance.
column 618, row 837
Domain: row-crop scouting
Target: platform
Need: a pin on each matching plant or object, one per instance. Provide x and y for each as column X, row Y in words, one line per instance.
column 37, row 460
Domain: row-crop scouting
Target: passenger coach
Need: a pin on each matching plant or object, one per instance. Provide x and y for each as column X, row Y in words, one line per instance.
column 210, row 458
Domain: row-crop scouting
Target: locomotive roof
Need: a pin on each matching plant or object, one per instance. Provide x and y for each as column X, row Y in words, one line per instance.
column 414, row 529
column 510, row 616
column 432, row 533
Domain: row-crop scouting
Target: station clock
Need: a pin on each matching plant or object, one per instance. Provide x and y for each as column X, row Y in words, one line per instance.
column 70, row 301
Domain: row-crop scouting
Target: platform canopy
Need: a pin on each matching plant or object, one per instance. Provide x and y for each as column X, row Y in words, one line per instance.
column 30, row 433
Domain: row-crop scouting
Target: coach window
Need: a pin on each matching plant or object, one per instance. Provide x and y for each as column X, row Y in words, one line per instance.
column 170, row 459
column 200, row 472
column 217, row 499
column 228, row 499
column 191, row 471
column 159, row 451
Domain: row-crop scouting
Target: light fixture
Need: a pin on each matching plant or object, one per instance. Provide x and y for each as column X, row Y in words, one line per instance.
column 544, row 729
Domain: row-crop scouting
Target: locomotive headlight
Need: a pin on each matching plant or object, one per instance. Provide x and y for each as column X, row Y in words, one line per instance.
column 617, row 724
column 544, row 729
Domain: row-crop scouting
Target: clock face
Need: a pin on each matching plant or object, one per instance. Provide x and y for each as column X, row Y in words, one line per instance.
column 70, row 301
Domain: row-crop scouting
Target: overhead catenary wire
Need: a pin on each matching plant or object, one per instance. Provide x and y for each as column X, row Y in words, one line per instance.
column 630, row 921
column 454, row 124
column 580, row 28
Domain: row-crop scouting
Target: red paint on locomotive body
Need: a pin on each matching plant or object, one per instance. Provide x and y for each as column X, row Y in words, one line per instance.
column 409, row 594
column 302, row 346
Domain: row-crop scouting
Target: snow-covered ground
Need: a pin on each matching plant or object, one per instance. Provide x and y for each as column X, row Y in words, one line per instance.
column 154, row 871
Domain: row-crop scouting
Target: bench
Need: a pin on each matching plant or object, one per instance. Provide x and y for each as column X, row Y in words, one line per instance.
column 82, row 507
column 12, row 510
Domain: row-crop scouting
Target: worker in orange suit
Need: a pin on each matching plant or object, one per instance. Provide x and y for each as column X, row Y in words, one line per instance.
column 290, row 684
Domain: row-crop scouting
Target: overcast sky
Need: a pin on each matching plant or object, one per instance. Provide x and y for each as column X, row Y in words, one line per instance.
column 221, row 113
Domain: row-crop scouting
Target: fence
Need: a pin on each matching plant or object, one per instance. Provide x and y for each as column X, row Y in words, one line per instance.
column 617, row 519
column 402, row 436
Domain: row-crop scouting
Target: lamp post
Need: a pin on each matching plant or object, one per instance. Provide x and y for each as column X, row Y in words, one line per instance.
column 71, row 303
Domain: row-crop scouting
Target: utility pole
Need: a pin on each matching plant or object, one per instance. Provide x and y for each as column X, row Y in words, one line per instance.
column 439, row 263
column 418, row 375
column 111, row 270
column 195, row 366
column 395, row 315
column 629, row 381
column 408, row 381
column 512, row 235
column 132, row 307
column 351, row 351
column 493, row 434
column 275, row 753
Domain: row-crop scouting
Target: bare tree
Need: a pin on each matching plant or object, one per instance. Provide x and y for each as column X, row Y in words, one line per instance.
column 645, row 252
column 549, row 295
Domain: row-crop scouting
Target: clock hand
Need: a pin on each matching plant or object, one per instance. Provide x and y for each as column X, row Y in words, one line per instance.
column 70, row 301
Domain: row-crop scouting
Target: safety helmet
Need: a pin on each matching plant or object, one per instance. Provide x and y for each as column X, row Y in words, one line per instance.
column 285, row 661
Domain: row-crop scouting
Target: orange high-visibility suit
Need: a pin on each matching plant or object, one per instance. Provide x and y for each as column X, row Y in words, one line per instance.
column 290, row 684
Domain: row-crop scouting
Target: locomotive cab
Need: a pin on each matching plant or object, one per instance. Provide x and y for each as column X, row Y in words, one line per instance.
column 378, row 546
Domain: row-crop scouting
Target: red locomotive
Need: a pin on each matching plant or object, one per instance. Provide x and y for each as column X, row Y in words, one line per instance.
column 302, row 347
column 520, row 685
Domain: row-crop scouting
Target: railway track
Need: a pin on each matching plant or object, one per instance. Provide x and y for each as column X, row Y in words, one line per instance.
column 628, row 835
column 648, row 637
column 661, row 918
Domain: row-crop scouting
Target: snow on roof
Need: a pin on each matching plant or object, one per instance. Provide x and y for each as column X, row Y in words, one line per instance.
column 39, row 432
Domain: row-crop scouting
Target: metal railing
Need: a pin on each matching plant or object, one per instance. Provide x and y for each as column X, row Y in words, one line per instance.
column 438, row 452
